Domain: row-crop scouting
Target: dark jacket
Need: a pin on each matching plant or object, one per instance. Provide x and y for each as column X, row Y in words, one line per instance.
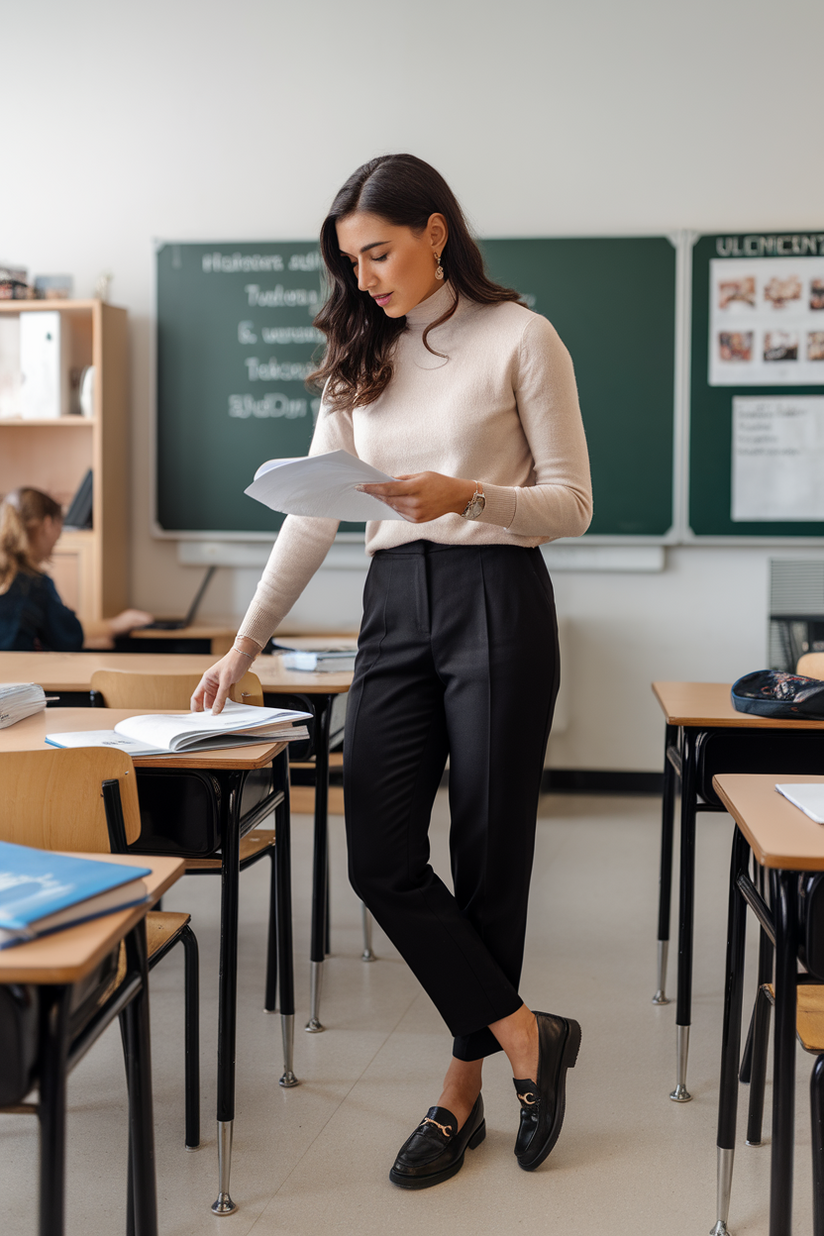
column 34, row 619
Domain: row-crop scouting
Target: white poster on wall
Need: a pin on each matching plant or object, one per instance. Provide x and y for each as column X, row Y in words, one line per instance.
column 766, row 321
column 778, row 458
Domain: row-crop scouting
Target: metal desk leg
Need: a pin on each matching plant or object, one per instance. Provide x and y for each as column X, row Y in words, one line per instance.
column 731, row 1034
column 785, row 911
column 139, row 1074
column 321, row 859
column 367, row 954
column 665, row 878
column 283, row 904
column 227, row 998
column 54, row 1046
column 686, row 907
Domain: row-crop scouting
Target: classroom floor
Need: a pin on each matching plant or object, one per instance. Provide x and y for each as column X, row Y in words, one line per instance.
column 315, row 1159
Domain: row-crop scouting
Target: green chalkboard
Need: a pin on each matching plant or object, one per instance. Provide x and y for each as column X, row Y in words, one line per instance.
column 612, row 301
column 235, row 341
column 733, row 314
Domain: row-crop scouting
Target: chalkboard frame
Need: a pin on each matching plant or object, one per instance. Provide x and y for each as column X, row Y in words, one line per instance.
column 709, row 408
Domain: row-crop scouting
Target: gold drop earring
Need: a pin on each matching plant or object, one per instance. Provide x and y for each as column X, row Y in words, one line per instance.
column 438, row 267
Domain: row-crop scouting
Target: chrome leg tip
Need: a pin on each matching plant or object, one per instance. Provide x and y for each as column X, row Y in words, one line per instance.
column 680, row 1094
column 288, row 1080
column 660, row 997
column 720, row 1229
column 368, row 955
column 224, row 1205
column 314, row 1027
column 197, row 1147
column 753, row 1143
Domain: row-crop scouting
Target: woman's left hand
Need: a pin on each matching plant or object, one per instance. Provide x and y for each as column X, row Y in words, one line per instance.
column 424, row 495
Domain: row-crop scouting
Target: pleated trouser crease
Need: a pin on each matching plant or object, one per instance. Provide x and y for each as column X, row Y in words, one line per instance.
column 458, row 658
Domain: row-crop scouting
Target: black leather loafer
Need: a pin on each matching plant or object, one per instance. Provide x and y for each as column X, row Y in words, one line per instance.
column 435, row 1151
column 543, row 1102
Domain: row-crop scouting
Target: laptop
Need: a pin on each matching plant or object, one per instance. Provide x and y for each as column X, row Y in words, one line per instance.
column 177, row 624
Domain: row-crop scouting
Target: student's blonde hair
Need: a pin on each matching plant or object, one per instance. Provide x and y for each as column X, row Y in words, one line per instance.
column 22, row 512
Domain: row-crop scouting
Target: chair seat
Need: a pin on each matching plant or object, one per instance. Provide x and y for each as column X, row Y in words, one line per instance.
column 810, row 1015
column 253, row 844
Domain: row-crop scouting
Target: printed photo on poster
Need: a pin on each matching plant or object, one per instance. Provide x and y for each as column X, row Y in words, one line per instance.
column 766, row 321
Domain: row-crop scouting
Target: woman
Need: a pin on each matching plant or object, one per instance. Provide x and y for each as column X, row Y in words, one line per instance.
column 32, row 616
column 442, row 379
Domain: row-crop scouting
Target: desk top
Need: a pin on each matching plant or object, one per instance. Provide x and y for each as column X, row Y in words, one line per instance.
column 72, row 671
column 780, row 834
column 66, row 956
column 30, row 735
column 708, row 704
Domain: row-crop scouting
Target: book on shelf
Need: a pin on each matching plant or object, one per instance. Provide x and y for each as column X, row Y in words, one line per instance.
column 79, row 514
column 184, row 733
column 42, row 891
column 805, row 795
column 19, row 700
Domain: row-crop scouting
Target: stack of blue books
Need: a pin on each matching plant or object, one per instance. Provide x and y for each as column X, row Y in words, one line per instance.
column 42, row 892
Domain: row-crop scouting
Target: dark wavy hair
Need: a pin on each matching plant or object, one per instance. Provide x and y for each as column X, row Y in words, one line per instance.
column 404, row 191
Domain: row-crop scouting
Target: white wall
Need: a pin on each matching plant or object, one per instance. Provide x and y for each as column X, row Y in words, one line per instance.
column 231, row 120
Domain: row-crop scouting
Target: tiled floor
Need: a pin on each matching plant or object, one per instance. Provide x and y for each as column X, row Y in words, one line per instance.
column 315, row 1159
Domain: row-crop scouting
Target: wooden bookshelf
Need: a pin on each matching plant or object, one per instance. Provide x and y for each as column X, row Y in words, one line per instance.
column 90, row 568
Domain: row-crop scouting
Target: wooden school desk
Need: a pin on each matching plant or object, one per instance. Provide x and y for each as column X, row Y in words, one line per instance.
column 68, row 674
column 706, row 735
column 229, row 765
column 56, row 963
column 785, row 841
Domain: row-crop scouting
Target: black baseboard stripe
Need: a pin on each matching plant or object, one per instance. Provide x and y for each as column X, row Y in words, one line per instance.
column 600, row 781
column 560, row 780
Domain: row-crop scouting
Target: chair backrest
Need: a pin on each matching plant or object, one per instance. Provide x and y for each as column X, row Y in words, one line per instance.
column 811, row 665
column 150, row 689
column 53, row 799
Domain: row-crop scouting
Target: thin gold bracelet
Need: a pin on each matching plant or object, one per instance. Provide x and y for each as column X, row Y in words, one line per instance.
column 242, row 653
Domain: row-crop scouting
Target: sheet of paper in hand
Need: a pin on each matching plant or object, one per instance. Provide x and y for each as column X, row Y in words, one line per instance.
column 321, row 485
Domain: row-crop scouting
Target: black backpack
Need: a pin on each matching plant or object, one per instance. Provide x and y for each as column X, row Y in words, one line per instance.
column 775, row 693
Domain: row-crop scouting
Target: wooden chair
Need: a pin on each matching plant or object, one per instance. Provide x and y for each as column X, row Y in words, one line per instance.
column 811, row 665
column 138, row 689
column 86, row 799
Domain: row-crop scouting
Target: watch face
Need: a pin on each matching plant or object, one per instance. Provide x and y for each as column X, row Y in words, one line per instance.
column 475, row 507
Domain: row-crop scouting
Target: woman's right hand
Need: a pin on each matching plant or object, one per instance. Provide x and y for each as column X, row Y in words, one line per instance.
column 213, row 689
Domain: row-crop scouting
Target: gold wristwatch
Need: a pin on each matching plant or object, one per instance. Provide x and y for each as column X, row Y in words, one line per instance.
column 475, row 504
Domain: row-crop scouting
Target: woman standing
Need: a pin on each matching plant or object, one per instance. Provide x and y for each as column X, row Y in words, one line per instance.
column 442, row 379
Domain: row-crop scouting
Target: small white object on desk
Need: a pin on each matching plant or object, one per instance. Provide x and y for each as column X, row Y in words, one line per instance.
column 806, row 796
column 319, row 662
column 19, row 700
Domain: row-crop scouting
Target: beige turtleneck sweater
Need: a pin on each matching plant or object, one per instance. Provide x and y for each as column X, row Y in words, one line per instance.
column 500, row 407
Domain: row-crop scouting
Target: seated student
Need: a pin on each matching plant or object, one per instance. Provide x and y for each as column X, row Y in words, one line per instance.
column 32, row 616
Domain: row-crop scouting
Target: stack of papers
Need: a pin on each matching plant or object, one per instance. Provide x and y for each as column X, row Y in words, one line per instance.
column 41, row 891
column 19, row 700
column 184, row 732
column 321, row 485
column 808, row 796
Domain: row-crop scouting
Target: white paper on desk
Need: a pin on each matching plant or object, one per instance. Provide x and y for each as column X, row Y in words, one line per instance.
column 808, row 797
column 321, row 485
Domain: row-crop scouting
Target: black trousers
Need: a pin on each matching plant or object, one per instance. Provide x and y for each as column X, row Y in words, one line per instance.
column 458, row 658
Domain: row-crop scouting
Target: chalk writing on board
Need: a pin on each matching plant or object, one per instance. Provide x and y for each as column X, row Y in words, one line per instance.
column 271, row 405
column 280, row 297
column 274, row 370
